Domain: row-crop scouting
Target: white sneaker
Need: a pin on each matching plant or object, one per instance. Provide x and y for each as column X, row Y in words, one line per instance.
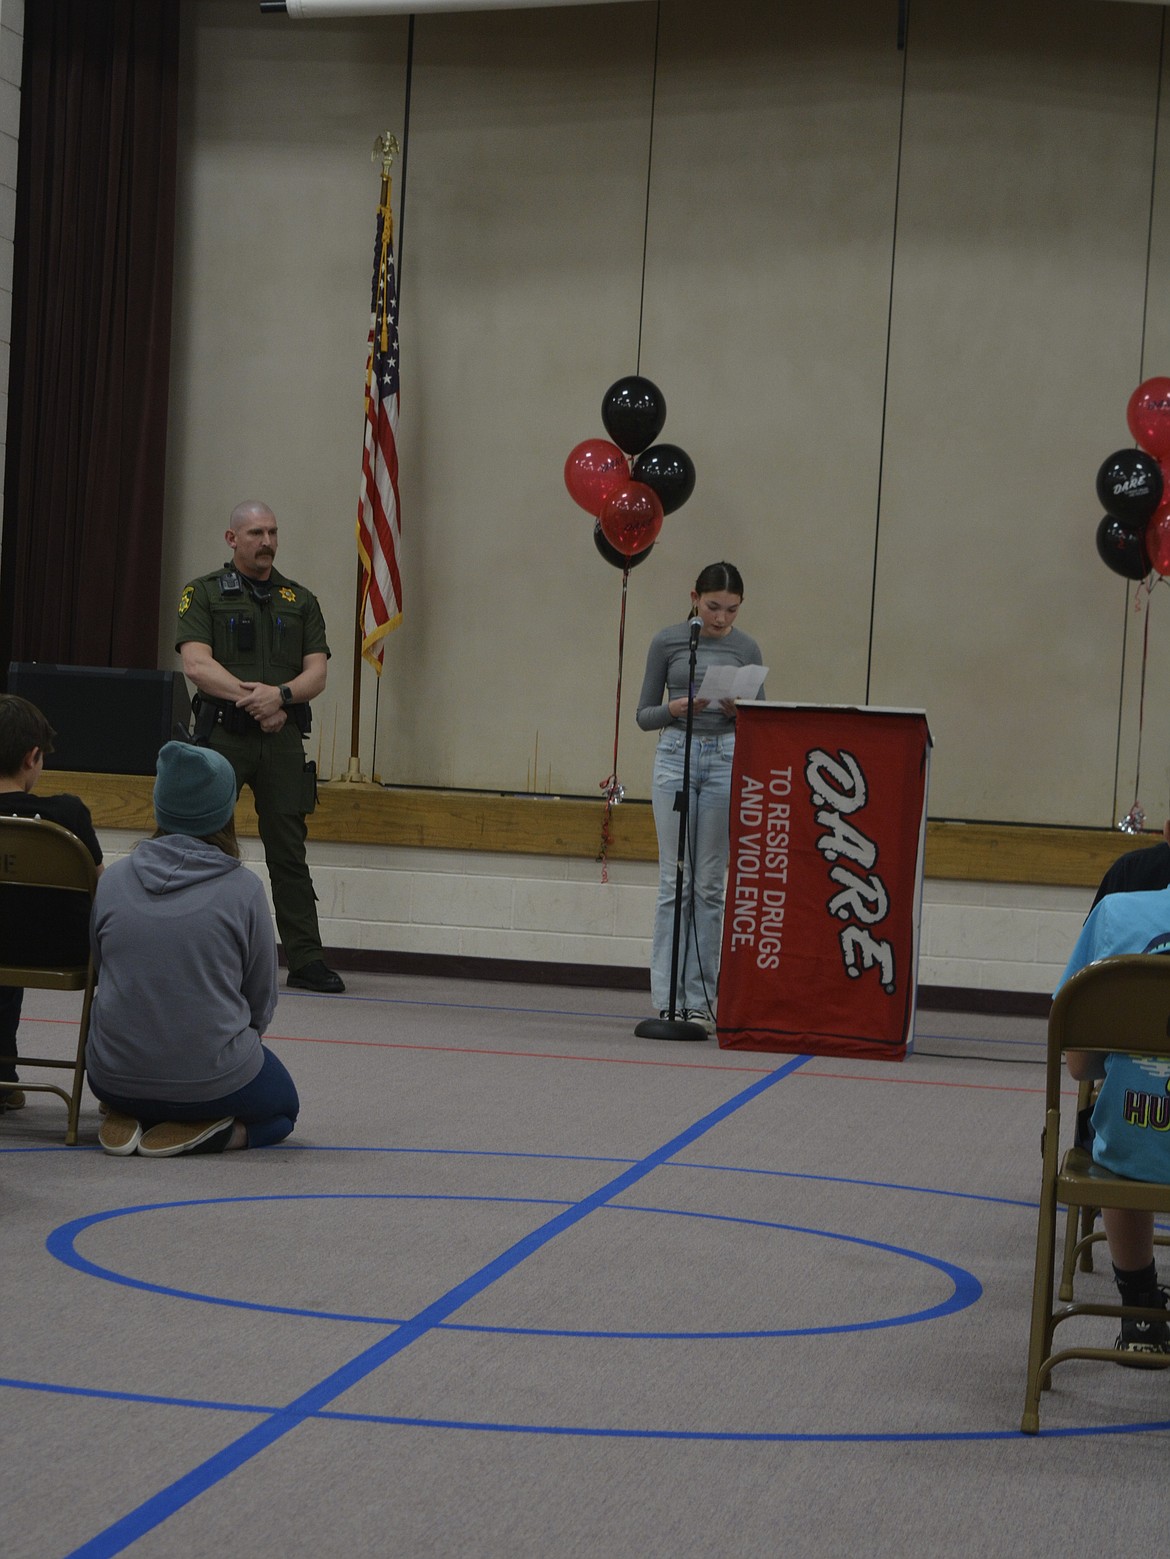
column 170, row 1138
column 700, row 1016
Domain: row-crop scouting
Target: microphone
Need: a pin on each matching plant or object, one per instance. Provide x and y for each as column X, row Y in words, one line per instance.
column 695, row 625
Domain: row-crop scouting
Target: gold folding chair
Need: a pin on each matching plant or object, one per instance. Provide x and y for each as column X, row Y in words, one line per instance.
column 1078, row 1248
column 1120, row 1004
column 35, row 854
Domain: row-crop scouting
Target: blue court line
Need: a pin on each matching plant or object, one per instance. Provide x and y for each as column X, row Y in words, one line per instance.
column 569, row 1158
column 566, row 1158
column 145, row 1398
column 62, row 1244
column 977, row 1039
column 585, row 1432
column 682, row 1163
column 870, row 1185
column 160, row 1507
column 778, row 1436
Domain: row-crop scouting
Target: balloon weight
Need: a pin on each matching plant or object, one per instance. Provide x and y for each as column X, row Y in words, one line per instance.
column 633, row 411
column 593, row 470
column 631, row 518
column 1124, row 550
column 669, row 471
column 612, row 555
column 1148, row 415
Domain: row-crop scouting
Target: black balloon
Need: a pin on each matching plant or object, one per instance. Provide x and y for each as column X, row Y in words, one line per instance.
column 1121, row 549
column 611, row 554
column 669, row 471
column 633, row 411
column 1129, row 485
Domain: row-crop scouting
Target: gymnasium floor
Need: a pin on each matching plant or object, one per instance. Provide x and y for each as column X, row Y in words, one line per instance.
column 524, row 1284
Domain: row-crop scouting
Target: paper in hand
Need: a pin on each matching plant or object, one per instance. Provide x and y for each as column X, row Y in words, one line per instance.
column 722, row 682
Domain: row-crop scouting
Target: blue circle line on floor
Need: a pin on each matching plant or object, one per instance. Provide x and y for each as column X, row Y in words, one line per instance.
column 584, row 1431
column 965, row 1288
column 157, row 1509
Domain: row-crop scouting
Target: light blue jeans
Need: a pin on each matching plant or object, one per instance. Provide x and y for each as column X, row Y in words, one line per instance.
column 701, row 925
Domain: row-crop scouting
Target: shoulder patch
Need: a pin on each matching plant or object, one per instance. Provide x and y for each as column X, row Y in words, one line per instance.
column 185, row 600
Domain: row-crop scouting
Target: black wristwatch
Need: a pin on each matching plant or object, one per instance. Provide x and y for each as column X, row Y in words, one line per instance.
column 286, row 697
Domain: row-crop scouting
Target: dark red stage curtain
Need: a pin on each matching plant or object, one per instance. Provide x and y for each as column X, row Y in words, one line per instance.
column 85, row 463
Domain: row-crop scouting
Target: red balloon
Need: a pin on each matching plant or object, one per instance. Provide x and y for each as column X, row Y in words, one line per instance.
column 593, row 470
column 1156, row 537
column 631, row 518
column 1148, row 415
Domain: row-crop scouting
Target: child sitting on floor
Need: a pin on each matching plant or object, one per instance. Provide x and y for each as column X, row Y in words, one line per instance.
column 186, row 960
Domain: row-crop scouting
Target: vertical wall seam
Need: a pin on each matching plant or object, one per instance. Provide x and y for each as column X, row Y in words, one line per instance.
column 1141, row 377
column 649, row 166
column 904, row 43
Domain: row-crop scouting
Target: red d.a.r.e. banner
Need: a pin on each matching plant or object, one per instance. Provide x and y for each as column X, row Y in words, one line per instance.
column 820, row 931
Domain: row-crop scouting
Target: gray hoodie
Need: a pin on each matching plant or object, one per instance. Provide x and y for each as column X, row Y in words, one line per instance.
column 186, row 961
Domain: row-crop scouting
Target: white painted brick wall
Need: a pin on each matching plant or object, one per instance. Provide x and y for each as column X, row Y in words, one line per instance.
column 983, row 936
column 998, row 936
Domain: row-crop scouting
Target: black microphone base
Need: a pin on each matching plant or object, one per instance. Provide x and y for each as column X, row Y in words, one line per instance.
column 670, row 1028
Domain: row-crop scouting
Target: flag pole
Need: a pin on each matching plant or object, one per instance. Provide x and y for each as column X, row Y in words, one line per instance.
column 385, row 150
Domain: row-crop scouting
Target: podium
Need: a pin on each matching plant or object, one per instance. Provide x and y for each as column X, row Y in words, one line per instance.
column 824, row 889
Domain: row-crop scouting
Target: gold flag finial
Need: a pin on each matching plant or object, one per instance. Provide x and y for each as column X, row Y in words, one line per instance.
column 385, row 150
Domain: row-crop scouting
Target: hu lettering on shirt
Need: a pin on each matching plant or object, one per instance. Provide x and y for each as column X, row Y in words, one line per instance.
column 1144, row 1110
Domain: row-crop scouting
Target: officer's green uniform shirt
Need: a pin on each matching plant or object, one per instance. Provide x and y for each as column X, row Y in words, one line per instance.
column 285, row 628
column 280, row 631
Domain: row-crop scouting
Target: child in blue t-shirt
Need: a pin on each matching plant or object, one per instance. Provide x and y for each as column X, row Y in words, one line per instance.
column 1131, row 1117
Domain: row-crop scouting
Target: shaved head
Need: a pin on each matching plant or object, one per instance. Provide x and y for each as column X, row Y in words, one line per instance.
column 252, row 537
column 250, row 509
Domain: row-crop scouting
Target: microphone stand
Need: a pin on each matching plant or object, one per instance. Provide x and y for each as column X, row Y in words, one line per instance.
column 672, row 1027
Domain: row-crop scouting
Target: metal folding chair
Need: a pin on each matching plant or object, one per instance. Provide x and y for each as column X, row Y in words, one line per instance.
column 36, row 855
column 1118, row 1004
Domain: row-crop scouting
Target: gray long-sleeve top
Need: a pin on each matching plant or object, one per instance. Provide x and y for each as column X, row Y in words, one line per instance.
column 667, row 666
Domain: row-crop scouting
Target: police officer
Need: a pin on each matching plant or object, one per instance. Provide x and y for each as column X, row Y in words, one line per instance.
column 253, row 643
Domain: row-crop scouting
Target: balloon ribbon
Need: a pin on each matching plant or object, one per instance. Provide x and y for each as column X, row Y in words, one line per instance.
column 614, row 792
column 1135, row 819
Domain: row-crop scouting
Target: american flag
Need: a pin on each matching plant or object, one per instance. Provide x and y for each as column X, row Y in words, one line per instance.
column 379, row 528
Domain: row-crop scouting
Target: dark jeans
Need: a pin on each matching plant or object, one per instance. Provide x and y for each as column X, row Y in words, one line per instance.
column 11, row 997
column 268, row 1105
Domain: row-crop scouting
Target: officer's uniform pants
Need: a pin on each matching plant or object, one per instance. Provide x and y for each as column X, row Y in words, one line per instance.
column 273, row 767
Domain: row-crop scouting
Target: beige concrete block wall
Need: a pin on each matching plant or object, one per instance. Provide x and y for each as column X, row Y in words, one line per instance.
column 975, row 936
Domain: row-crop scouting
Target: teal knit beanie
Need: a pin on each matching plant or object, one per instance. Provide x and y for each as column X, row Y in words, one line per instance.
column 195, row 792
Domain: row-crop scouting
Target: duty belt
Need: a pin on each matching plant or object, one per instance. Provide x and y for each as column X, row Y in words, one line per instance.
column 210, row 712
